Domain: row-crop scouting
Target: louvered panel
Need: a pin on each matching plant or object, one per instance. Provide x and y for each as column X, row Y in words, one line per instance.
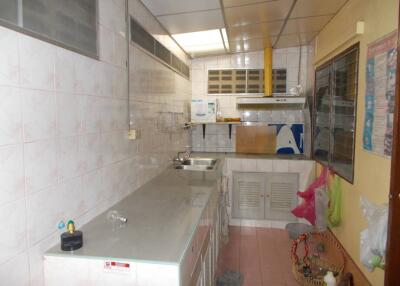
column 244, row 81
column 281, row 196
column 248, row 195
column 279, row 81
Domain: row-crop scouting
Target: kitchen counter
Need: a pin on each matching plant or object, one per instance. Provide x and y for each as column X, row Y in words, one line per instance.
column 173, row 228
column 250, row 156
column 162, row 218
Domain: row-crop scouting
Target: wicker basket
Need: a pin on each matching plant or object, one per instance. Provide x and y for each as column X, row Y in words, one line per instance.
column 325, row 254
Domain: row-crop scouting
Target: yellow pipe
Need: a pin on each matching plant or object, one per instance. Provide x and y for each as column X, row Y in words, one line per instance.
column 268, row 72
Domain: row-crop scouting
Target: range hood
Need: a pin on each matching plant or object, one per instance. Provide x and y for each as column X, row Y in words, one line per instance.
column 262, row 100
column 268, row 98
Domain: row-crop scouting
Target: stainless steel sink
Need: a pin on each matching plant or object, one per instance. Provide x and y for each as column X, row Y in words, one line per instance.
column 198, row 164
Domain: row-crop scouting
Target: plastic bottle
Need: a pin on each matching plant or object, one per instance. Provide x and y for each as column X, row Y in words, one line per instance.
column 329, row 279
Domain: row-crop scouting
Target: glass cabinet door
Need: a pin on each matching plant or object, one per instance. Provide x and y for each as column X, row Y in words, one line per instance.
column 322, row 115
column 344, row 113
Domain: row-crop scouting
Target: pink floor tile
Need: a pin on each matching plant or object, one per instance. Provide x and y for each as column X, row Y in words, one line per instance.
column 262, row 255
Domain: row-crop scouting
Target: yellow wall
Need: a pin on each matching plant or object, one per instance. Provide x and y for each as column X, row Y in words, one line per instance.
column 372, row 172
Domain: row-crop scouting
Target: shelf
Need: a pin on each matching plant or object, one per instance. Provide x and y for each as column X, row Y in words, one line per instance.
column 204, row 124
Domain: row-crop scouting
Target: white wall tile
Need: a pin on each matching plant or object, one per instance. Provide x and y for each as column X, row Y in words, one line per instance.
column 90, row 152
column 65, row 75
column 234, row 164
column 249, row 165
column 293, row 59
column 36, row 258
column 68, row 114
column 36, row 63
column 68, row 157
column 120, row 50
column 90, row 108
column 39, row 114
column 106, row 39
column 264, row 165
column 16, row 271
column 43, row 154
column 14, row 225
column 10, row 115
column 280, row 166
column 9, row 59
column 105, row 75
column 167, row 275
column 87, row 76
column 11, row 173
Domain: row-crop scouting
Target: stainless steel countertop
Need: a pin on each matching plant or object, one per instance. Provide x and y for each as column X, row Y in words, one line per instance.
column 162, row 216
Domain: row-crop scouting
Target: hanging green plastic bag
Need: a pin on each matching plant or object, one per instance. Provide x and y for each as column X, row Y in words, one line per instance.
column 334, row 211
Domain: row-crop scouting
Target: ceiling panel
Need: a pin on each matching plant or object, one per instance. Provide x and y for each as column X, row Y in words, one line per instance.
column 305, row 25
column 261, row 12
column 207, row 53
column 263, row 30
column 193, row 22
column 305, row 8
column 292, row 40
column 250, row 45
column 163, row 7
column 233, row 3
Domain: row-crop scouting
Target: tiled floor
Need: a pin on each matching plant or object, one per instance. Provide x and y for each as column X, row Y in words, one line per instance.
column 262, row 255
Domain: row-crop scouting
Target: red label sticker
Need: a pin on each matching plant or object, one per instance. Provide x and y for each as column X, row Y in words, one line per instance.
column 115, row 266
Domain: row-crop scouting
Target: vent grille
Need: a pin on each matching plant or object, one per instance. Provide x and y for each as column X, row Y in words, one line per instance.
column 249, row 194
column 281, row 196
column 145, row 40
column 244, row 81
column 279, row 81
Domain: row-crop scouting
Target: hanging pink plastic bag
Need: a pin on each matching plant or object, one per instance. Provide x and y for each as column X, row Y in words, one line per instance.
column 306, row 209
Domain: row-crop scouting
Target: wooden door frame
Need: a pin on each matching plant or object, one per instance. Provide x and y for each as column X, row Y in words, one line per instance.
column 392, row 276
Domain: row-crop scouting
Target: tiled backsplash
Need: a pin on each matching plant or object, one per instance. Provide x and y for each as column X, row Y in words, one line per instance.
column 282, row 58
column 216, row 138
column 64, row 151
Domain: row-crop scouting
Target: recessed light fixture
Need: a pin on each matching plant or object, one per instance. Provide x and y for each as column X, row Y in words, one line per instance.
column 209, row 41
column 225, row 38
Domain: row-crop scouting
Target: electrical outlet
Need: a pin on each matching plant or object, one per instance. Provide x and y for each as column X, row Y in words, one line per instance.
column 132, row 134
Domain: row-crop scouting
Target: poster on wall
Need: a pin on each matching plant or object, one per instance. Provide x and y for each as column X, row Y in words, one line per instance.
column 380, row 95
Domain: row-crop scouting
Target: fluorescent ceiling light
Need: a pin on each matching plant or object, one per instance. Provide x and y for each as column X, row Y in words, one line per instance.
column 225, row 37
column 200, row 42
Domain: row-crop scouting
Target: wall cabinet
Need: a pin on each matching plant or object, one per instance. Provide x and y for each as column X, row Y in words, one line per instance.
column 264, row 195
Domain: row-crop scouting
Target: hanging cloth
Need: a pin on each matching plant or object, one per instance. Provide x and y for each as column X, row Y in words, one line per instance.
column 334, row 211
column 306, row 209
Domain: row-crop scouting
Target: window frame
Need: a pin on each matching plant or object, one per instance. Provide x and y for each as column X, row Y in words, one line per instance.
column 330, row 63
column 49, row 40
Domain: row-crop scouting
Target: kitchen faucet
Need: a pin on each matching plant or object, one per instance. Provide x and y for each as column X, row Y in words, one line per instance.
column 183, row 155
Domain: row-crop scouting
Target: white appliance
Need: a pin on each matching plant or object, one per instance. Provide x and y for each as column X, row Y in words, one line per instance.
column 203, row 110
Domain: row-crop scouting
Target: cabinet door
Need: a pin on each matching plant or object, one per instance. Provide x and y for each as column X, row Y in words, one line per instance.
column 207, row 267
column 248, row 195
column 281, row 196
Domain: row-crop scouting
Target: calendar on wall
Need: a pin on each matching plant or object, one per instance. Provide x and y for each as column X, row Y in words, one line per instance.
column 380, row 95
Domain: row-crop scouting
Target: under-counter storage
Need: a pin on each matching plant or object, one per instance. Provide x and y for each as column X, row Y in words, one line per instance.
column 264, row 195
